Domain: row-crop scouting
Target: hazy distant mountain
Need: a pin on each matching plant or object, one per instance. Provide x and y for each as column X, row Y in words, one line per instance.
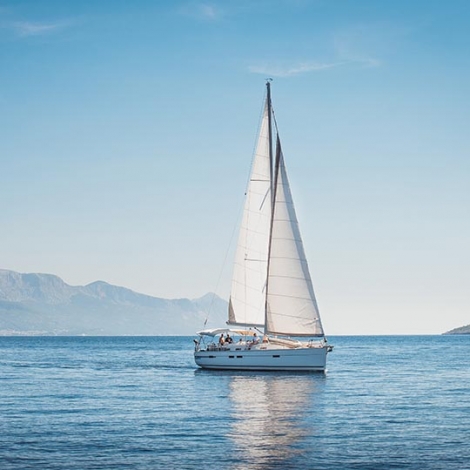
column 463, row 330
column 43, row 304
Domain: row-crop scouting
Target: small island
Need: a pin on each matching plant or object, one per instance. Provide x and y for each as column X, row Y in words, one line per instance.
column 463, row 330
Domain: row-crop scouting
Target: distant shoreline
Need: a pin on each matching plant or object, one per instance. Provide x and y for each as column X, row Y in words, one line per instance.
column 463, row 330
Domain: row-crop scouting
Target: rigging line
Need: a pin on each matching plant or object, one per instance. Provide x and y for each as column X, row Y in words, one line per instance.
column 223, row 263
column 275, row 122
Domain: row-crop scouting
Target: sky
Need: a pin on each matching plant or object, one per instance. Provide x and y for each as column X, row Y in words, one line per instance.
column 127, row 131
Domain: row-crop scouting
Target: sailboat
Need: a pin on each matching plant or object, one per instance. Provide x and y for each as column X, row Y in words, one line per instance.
column 272, row 309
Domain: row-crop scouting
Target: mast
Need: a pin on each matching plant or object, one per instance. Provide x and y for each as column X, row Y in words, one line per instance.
column 270, row 130
column 273, row 193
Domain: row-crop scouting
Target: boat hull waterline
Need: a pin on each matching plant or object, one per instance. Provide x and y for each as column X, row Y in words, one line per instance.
column 307, row 359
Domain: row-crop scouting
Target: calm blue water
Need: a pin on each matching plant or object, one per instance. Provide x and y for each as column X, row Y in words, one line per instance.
column 140, row 403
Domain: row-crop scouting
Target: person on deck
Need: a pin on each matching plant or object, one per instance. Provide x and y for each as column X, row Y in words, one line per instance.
column 228, row 339
column 221, row 340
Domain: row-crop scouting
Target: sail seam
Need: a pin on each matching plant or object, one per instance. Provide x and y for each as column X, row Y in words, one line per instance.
column 291, row 296
column 280, row 276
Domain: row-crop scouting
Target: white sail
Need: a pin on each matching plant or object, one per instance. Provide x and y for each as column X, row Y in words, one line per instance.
column 292, row 307
column 247, row 300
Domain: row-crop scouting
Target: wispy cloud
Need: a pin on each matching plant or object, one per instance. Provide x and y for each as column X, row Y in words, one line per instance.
column 28, row 28
column 288, row 70
column 369, row 45
column 359, row 46
column 346, row 51
column 209, row 11
column 202, row 11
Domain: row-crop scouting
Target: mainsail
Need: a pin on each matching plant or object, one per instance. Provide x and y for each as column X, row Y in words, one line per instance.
column 247, row 300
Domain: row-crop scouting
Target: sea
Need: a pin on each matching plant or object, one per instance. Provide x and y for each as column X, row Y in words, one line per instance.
column 140, row 403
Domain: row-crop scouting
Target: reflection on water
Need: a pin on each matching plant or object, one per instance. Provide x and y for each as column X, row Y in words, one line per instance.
column 269, row 411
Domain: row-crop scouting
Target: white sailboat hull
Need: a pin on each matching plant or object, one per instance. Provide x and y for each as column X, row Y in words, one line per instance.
column 307, row 359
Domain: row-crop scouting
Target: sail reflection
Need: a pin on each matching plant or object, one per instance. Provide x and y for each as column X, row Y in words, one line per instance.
column 268, row 414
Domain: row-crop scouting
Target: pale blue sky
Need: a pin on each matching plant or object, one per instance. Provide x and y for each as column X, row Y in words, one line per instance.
column 127, row 130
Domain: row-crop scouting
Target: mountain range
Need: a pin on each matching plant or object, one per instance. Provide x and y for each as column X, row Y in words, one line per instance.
column 43, row 304
column 462, row 330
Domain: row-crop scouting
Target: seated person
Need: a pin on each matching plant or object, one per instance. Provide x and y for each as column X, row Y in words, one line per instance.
column 228, row 339
column 255, row 339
